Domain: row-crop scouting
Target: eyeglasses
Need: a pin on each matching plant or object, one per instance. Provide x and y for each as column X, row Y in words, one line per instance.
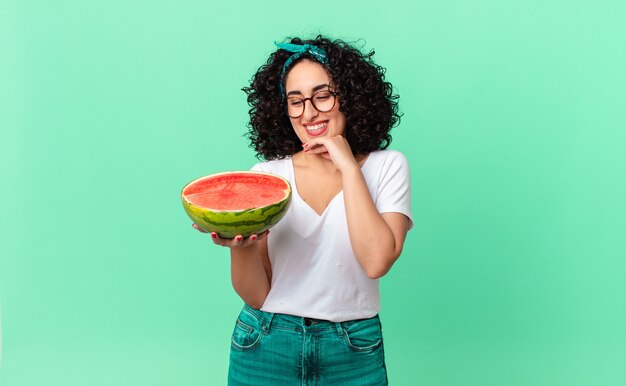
column 323, row 101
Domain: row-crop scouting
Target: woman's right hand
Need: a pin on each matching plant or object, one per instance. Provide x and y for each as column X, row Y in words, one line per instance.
column 237, row 242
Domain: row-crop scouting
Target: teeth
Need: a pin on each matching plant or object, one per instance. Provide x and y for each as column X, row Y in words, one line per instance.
column 316, row 127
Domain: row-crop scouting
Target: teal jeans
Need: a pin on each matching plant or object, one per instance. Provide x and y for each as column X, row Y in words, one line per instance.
column 275, row 349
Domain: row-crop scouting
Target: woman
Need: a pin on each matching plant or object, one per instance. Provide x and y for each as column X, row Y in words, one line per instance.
column 321, row 113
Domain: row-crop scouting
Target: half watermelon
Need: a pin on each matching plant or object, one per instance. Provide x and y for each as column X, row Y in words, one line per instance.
column 237, row 203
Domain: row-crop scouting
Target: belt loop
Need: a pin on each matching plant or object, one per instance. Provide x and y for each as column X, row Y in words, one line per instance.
column 268, row 316
column 339, row 328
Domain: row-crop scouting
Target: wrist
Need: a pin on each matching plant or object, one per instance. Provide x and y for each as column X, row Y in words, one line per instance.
column 350, row 173
column 350, row 166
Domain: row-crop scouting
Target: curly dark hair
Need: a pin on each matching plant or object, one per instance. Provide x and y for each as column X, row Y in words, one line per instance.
column 367, row 100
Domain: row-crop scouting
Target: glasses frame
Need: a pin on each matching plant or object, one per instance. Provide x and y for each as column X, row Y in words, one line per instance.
column 333, row 93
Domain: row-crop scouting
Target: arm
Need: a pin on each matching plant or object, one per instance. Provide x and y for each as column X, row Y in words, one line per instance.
column 251, row 272
column 377, row 239
column 250, row 267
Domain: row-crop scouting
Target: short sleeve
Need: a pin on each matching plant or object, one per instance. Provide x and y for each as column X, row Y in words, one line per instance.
column 394, row 189
column 259, row 167
column 279, row 167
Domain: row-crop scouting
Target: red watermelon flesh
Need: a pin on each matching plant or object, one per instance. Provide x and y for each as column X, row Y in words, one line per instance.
column 236, row 191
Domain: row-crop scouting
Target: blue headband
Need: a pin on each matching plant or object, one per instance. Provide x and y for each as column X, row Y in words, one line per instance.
column 297, row 51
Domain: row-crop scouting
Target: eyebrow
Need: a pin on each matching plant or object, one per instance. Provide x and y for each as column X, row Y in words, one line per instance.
column 316, row 88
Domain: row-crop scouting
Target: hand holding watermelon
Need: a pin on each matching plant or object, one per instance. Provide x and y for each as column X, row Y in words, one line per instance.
column 237, row 242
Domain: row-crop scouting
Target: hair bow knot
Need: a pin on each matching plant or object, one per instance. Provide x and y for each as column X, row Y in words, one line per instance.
column 297, row 51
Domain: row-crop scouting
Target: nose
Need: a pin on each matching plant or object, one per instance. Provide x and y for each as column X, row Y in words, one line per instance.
column 310, row 111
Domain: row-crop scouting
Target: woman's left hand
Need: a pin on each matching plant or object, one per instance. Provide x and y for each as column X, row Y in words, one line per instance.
column 334, row 148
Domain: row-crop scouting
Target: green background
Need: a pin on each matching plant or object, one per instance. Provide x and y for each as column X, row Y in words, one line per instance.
column 514, row 125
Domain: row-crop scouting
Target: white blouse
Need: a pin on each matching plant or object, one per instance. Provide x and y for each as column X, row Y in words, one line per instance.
column 314, row 271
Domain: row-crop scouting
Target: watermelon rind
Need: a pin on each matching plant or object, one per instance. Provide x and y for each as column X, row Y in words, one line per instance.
column 245, row 222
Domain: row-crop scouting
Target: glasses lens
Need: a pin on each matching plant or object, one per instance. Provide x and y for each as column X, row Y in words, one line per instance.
column 324, row 101
column 295, row 107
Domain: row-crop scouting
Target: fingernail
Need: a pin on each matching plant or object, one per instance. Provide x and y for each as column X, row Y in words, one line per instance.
column 253, row 237
column 214, row 235
column 238, row 239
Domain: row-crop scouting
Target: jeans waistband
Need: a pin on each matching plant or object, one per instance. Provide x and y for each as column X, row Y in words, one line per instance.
column 297, row 323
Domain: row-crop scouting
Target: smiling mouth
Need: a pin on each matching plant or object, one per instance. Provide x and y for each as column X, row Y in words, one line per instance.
column 317, row 129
